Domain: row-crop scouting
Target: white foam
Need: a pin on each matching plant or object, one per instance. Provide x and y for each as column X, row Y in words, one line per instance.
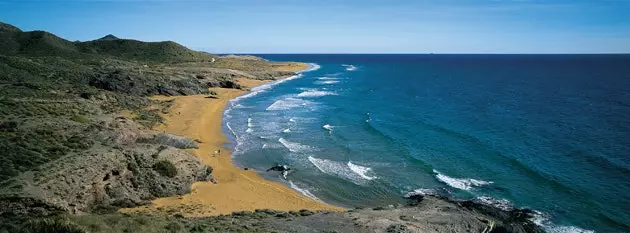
column 258, row 89
column 327, row 78
column 287, row 103
column 249, row 130
column 287, row 130
column 327, row 82
column 460, row 183
column 362, row 171
column 328, row 127
column 292, row 119
column 294, row 146
column 349, row 67
column 337, row 169
column 543, row 221
column 231, row 130
column 304, row 192
column 502, row 204
column 315, row 93
column 423, row 192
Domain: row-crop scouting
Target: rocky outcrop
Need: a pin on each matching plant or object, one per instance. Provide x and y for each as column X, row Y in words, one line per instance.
column 126, row 166
column 103, row 179
column 493, row 218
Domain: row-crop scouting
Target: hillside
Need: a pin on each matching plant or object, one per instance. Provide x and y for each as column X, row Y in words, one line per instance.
column 166, row 51
column 76, row 120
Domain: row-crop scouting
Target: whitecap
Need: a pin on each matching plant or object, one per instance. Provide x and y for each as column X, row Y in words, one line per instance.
column 327, row 78
column 545, row 223
column 287, row 130
column 328, row 127
column 327, row 82
column 361, row 170
column 231, row 130
column 460, row 183
column 349, row 67
column 431, row 192
column 258, row 89
column 291, row 119
column 287, row 103
column 294, row 146
column 304, row 192
column 502, row 204
column 337, row 169
column 249, row 130
column 315, row 93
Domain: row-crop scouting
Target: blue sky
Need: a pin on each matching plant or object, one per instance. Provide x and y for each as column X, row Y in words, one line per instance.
column 337, row 26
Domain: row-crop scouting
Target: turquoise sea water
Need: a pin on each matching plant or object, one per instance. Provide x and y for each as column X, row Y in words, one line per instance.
column 546, row 132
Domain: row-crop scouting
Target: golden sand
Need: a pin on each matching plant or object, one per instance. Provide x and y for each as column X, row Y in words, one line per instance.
column 236, row 189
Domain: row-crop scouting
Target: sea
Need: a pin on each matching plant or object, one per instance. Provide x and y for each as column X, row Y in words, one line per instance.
column 546, row 132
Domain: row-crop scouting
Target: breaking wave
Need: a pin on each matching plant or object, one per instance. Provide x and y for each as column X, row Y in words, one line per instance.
column 294, row 146
column 327, row 82
column 315, row 93
column 460, row 183
column 287, row 103
column 502, row 204
column 328, row 127
column 304, row 192
column 340, row 170
column 349, row 67
column 545, row 223
column 362, row 171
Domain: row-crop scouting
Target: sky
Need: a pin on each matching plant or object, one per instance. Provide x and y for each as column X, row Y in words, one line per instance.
column 338, row 26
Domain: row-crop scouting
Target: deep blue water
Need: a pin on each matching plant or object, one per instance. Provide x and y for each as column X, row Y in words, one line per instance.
column 546, row 132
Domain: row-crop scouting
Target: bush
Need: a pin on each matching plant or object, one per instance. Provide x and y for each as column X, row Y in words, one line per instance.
column 52, row 226
column 165, row 168
column 80, row 119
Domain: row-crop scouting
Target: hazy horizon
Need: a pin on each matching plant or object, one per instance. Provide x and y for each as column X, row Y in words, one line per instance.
column 351, row 27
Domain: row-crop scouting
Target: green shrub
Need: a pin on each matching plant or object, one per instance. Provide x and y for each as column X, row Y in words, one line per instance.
column 80, row 119
column 52, row 226
column 165, row 168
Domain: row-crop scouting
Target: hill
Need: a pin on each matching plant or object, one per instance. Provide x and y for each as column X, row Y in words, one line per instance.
column 76, row 120
column 39, row 43
column 166, row 51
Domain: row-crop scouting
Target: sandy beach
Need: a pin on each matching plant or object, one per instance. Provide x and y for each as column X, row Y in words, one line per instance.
column 236, row 189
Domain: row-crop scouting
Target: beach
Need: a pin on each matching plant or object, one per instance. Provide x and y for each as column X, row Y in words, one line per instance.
column 236, row 189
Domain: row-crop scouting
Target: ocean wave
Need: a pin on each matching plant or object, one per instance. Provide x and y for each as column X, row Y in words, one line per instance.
column 231, row 130
column 349, row 67
column 545, row 223
column 328, row 127
column 327, row 78
column 294, row 146
column 361, row 170
column 315, row 93
column 327, row 82
column 502, row 204
column 338, row 169
column 304, row 192
column 460, row 183
column 431, row 192
column 271, row 145
column 287, row 130
column 258, row 89
column 288, row 103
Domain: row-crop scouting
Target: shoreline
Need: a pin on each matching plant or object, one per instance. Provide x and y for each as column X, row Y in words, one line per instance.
column 198, row 117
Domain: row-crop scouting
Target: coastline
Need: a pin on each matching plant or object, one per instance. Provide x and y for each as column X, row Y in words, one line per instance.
column 236, row 189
